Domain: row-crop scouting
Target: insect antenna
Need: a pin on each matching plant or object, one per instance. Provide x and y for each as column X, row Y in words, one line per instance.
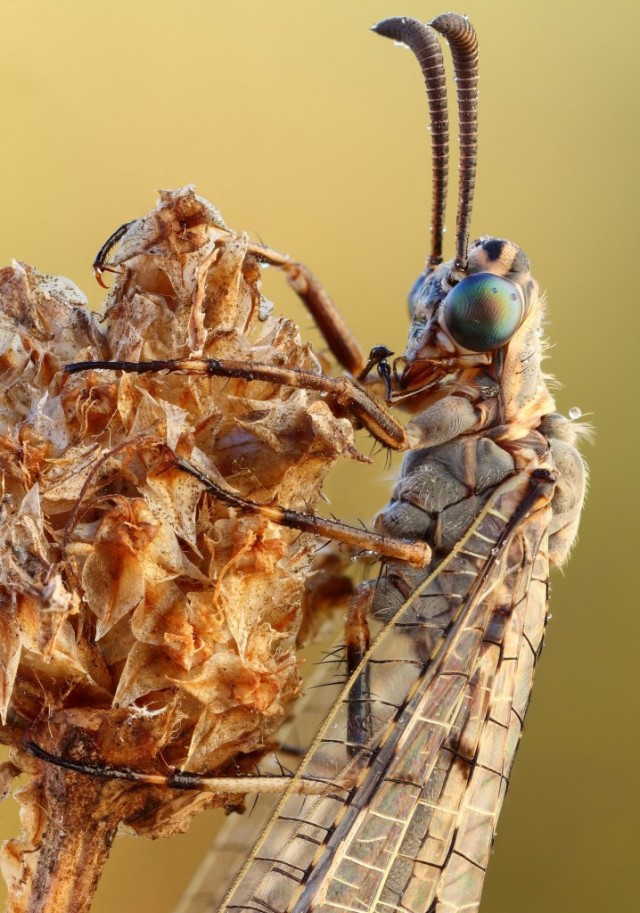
column 463, row 42
column 424, row 44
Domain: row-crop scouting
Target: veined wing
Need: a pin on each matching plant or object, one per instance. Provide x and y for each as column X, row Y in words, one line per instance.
column 228, row 851
column 406, row 821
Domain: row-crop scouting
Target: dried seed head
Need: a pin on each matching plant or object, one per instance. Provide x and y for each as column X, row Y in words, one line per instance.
column 143, row 623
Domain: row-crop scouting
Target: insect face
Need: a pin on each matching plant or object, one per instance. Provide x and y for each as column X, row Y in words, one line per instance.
column 467, row 322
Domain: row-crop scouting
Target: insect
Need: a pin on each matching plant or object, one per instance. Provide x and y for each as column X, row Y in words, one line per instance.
column 395, row 804
column 414, row 788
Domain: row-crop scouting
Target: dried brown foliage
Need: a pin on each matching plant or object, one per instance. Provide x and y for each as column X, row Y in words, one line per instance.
column 143, row 623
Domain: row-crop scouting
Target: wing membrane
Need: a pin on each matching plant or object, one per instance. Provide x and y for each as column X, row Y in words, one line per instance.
column 441, row 863
column 406, row 821
column 228, row 851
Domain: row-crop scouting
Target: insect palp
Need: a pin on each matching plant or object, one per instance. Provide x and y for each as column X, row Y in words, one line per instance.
column 377, row 355
column 384, row 373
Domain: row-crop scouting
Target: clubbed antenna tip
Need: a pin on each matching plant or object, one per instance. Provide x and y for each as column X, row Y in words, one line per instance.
column 389, row 28
column 463, row 42
column 422, row 40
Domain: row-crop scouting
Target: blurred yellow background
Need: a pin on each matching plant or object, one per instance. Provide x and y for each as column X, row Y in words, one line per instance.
column 309, row 132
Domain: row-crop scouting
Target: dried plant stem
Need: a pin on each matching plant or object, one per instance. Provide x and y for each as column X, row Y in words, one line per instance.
column 146, row 624
column 82, row 825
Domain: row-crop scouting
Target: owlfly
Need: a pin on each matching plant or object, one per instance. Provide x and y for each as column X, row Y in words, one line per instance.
column 407, row 775
column 395, row 804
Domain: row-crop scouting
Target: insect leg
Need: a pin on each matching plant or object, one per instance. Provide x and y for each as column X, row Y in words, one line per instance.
column 177, row 779
column 100, row 262
column 409, row 550
column 358, row 642
column 315, row 298
column 342, row 393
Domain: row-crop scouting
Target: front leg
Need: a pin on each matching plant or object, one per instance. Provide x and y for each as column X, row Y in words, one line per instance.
column 343, row 394
column 339, row 337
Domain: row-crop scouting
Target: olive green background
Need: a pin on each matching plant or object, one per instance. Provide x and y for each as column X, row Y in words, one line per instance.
column 309, row 132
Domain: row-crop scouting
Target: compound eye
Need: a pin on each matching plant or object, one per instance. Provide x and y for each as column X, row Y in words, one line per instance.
column 483, row 311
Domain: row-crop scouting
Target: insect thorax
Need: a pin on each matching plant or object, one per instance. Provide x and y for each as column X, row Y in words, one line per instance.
column 499, row 397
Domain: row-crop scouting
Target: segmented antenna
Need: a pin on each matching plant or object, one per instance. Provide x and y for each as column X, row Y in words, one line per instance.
column 463, row 42
column 424, row 44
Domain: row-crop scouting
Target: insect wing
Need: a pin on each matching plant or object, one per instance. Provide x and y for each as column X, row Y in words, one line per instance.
column 442, row 860
column 227, row 853
column 406, row 821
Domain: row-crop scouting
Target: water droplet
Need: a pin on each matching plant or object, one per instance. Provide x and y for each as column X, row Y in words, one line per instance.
column 495, row 551
column 549, row 616
column 575, row 413
column 540, row 332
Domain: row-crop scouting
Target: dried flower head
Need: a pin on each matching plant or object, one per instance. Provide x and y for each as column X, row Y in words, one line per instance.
column 143, row 623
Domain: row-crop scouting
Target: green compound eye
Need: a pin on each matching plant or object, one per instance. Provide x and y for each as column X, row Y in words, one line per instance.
column 483, row 311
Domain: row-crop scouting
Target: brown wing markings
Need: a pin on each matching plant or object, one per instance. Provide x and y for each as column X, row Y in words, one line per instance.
column 430, row 836
column 385, row 886
column 460, row 827
column 384, row 900
column 335, row 823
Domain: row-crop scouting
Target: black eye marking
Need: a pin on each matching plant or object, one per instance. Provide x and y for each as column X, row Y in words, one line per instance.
column 493, row 249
